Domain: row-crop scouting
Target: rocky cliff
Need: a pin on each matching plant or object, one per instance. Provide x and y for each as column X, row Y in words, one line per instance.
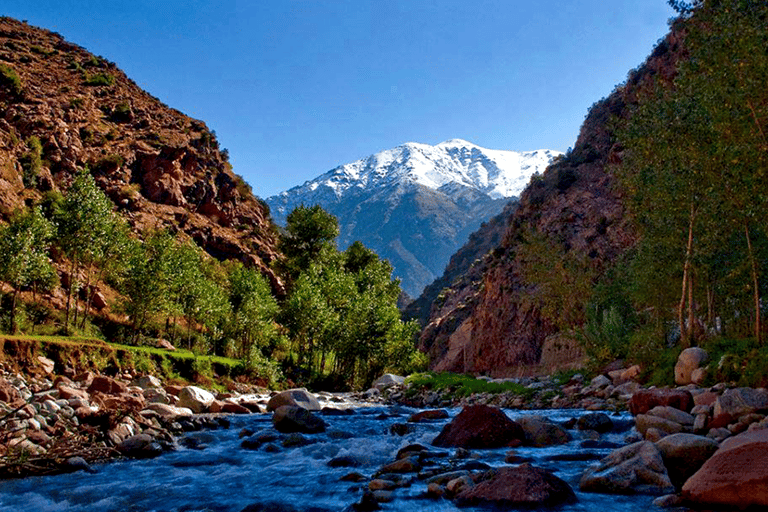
column 489, row 321
column 160, row 167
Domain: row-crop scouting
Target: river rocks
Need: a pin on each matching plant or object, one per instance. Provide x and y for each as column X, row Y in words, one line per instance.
column 289, row 419
column 540, row 432
column 637, row 468
column 684, row 454
column 429, row 415
column 690, row 360
column 195, row 398
column 403, row 465
column 521, row 486
column 646, row 399
column 106, row 385
column 735, row 476
column 597, row 421
column 646, row 422
column 734, row 403
column 169, row 411
column 480, row 426
column 296, row 398
column 140, row 446
column 387, row 381
column 147, row 382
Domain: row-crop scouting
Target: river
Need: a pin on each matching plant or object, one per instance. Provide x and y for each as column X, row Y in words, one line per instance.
column 221, row 476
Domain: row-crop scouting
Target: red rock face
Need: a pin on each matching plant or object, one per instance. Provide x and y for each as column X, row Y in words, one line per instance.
column 480, row 426
column 736, row 476
column 488, row 324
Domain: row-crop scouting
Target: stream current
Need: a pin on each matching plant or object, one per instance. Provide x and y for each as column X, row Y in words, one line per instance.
column 221, row 476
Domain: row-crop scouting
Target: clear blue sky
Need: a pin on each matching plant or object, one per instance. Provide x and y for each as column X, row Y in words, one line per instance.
column 294, row 88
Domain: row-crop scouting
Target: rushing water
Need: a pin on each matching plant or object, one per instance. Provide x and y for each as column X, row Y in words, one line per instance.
column 220, row 475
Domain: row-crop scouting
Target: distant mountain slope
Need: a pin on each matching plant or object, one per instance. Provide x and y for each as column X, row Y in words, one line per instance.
column 160, row 167
column 484, row 322
column 416, row 204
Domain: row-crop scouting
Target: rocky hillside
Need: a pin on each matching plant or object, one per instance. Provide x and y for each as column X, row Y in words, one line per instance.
column 62, row 109
column 416, row 204
column 492, row 323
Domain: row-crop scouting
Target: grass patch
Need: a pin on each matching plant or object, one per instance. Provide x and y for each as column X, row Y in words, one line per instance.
column 98, row 79
column 9, row 78
column 461, row 385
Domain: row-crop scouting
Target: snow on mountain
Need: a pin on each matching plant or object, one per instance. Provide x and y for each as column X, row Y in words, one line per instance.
column 496, row 173
column 416, row 204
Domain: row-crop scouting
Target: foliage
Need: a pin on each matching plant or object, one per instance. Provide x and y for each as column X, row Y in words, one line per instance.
column 308, row 230
column 459, row 385
column 24, row 254
column 560, row 282
column 31, row 161
column 693, row 167
column 10, row 80
column 604, row 335
column 98, row 79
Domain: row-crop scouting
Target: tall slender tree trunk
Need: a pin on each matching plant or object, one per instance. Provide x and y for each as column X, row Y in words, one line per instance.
column 88, row 295
column 691, row 317
column 685, row 340
column 69, row 295
column 14, row 327
column 756, row 289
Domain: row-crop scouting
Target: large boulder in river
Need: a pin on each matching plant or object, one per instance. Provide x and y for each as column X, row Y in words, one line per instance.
column 196, row 399
column 299, row 397
column 646, row 399
column 684, row 454
column 289, row 418
column 521, row 486
column 636, row 468
column 480, row 426
column 690, row 360
column 597, row 421
column 736, row 476
column 540, row 432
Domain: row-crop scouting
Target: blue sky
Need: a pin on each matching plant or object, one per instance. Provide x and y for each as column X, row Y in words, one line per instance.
column 294, row 88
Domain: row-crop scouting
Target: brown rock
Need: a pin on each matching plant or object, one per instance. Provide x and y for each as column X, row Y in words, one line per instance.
column 644, row 422
column 480, row 426
column 296, row 398
column 521, row 486
column 646, row 399
column 539, row 432
column 8, row 393
column 67, row 392
column 103, row 384
column 637, row 467
column 735, row 476
column 233, row 408
column 734, row 403
column 435, row 414
column 684, row 454
column 404, row 465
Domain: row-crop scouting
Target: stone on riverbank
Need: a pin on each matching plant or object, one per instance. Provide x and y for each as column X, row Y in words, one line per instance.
column 195, row 398
column 646, row 399
column 637, row 468
column 597, row 421
column 690, row 360
column 684, row 454
column 521, row 486
column 735, row 476
column 480, row 426
column 296, row 398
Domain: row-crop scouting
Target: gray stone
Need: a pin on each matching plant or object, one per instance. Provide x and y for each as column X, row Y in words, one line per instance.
column 288, row 419
column 387, row 381
column 299, row 397
column 196, row 399
column 689, row 360
column 644, row 422
column 740, row 401
column 540, row 432
column 637, row 468
column 684, row 454
column 672, row 414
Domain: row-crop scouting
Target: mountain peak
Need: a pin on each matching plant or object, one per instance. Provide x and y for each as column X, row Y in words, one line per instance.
column 415, row 204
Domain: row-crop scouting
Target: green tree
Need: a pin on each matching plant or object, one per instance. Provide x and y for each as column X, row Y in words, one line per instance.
column 85, row 223
column 24, row 253
column 251, row 323
column 308, row 230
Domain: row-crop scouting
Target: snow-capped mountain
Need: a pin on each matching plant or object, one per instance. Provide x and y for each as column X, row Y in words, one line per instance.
column 416, row 204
